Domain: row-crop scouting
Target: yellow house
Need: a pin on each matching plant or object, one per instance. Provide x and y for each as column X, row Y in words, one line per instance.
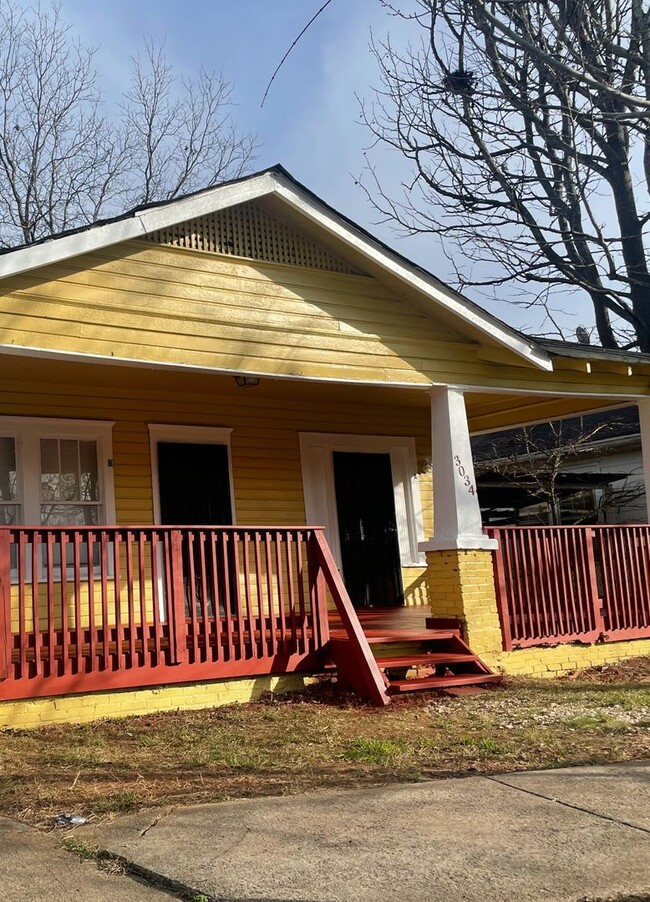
column 212, row 408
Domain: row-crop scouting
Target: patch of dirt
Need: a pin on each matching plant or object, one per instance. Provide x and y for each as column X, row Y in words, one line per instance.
column 634, row 670
column 322, row 739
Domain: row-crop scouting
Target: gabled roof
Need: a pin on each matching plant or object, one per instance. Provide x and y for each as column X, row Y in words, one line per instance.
column 590, row 352
column 605, row 427
column 277, row 183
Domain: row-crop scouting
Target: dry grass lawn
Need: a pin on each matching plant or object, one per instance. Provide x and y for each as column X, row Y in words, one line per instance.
column 320, row 740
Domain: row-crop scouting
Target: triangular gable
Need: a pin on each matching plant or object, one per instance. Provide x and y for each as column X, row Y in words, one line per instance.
column 276, row 185
column 249, row 231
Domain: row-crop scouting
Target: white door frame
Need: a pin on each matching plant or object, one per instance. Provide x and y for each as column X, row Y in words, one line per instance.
column 193, row 435
column 316, row 449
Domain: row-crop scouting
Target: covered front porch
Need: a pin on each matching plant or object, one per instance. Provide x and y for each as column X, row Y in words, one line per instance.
column 261, row 559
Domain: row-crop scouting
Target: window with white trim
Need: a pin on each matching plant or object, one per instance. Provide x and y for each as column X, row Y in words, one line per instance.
column 56, row 473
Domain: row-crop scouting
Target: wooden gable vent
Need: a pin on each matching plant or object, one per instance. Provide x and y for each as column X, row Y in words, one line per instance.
column 249, row 231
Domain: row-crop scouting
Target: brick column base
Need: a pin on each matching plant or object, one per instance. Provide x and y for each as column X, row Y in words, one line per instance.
column 461, row 585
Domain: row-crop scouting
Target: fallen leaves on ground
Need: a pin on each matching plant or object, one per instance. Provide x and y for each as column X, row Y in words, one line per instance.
column 323, row 740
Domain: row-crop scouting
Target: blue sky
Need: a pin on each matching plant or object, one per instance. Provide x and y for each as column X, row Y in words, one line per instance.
column 310, row 121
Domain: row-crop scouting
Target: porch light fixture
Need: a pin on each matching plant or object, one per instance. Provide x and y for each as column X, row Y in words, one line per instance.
column 243, row 381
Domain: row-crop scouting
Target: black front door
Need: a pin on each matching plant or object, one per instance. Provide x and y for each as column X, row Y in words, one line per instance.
column 194, row 484
column 368, row 529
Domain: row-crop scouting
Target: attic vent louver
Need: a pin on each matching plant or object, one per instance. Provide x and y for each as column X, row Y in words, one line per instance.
column 249, row 231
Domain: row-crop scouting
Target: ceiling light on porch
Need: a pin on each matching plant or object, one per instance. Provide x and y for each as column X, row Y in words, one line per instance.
column 243, row 381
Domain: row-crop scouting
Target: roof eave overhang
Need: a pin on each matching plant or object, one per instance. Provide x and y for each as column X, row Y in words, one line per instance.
column 274, row 182
column 141, row 223
column 412, row 276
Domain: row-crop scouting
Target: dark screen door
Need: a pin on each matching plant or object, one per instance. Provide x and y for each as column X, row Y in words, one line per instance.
column 368, row 529
column 194, row 484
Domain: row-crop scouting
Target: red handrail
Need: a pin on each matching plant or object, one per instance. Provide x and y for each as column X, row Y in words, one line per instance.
column 368, row 676
column 557, row 584
column 90, row 608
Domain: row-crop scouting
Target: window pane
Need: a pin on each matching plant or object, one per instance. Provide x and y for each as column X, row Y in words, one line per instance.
column 69, row 453
column 49, row 469
column 89, row 474
column 69, row 514
column 8, row 514
column 8, row 474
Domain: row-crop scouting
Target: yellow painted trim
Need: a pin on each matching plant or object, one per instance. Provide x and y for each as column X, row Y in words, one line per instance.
column 29, row 714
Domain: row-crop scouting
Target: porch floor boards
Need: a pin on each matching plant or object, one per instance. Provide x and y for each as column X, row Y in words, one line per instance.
column 411, row 643
column 378, row 621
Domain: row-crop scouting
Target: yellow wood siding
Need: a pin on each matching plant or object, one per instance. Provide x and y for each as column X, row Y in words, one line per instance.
column 177, row 306
column 266, row 464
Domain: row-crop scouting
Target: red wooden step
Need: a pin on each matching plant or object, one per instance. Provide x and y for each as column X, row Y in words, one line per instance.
column 442, row 682
column 385, row 637
column 424, row 660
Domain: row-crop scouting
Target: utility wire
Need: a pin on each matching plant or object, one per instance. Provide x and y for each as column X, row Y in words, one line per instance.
column 293, row 44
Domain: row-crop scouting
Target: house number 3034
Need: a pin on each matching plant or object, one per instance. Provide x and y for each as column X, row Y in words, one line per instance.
column 462, row 472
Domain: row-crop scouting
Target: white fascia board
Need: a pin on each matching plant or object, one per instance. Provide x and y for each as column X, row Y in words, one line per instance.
column 428, row 286
column 140, row 224
column 205, row 203
column 27, row 258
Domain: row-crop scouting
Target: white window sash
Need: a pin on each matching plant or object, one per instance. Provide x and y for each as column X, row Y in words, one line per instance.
column 28, row 432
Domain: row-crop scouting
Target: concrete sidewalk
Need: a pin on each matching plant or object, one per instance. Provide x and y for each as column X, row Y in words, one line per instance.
column 34, row 866
column 552, row 835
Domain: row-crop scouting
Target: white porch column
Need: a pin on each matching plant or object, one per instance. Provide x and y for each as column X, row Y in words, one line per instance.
column 456, row 511
column 644, row 429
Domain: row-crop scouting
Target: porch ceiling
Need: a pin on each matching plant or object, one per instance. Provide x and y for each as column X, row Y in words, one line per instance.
column 487, row 411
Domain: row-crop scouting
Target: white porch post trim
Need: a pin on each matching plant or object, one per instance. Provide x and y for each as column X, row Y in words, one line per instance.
column 644, row 429
column 456, row 510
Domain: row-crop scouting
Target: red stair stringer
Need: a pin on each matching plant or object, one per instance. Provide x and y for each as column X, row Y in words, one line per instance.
column 450, row 662
column 356, row 664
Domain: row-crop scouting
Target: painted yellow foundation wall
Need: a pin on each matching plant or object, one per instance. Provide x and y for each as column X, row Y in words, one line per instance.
column 77, row 709
column 558, row 659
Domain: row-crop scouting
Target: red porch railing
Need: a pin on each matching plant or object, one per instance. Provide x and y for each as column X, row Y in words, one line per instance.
column 558, row 584
column 86, row 609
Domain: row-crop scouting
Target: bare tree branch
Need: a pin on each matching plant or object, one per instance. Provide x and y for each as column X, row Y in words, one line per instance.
column 65, row 163
column 527, row 128
column 539, row 458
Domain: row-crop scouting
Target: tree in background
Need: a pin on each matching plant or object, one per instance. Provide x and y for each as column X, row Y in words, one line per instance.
column 65, row 162
column 528, row 128
column 539, row 458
